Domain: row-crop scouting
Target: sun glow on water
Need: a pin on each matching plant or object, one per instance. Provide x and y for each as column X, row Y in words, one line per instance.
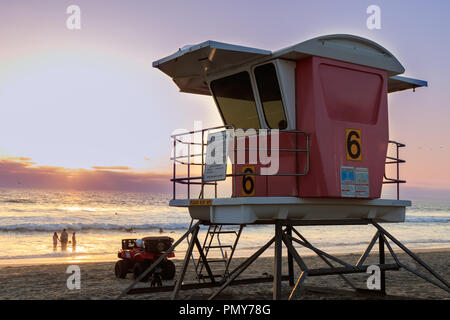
column 28, row 219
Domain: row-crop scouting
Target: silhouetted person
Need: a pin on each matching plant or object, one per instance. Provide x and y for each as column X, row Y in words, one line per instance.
column 55, row 241
column 74, row 242
column 64, row 239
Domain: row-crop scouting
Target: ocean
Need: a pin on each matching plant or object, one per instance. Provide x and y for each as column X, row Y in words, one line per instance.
column 28, row 219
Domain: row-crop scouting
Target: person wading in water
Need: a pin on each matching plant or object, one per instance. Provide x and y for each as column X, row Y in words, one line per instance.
column 64, row 239
column 55, row 241
column 74, row 242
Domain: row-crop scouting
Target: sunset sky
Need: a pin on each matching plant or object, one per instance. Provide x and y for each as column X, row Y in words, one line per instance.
column 85, row 109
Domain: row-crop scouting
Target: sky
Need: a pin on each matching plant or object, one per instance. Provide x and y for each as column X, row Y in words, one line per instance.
column 88, row 104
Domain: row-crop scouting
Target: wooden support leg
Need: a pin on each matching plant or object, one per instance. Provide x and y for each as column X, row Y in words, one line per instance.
column 382, row 261
column 241, row 268
column 205, row 261
column 277, row 262
column 320, row 256
column 366, row 253
column 185, row 263
column 294, row 253
column 412, row 255
column 290, row 259
column 300, row 280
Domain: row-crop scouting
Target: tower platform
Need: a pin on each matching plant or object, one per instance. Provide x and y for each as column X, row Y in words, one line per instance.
column 246, row 210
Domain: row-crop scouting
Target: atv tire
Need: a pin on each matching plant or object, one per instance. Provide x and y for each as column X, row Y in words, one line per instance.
column 138, row 269
column 168, row 270
column 121, row 269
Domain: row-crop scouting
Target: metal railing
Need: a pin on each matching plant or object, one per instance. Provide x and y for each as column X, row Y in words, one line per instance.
column 198, row 180
column 186, row 159
column 396, row 161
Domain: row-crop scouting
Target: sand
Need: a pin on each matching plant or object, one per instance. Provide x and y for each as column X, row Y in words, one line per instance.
column 98, row 281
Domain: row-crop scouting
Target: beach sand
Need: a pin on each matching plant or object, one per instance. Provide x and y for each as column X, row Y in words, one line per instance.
column 98, row 281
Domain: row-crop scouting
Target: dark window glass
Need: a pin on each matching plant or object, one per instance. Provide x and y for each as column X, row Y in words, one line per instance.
column 236, row 101
column 270, row 94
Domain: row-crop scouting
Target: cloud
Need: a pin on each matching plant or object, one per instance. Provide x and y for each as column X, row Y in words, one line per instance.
column 111, row 168
column 23, row 173
column 25, row 159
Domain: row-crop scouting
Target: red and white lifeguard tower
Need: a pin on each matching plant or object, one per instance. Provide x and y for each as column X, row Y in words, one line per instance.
column 327, row 99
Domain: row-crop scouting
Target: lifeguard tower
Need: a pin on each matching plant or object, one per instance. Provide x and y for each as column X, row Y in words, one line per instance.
column 326, row 100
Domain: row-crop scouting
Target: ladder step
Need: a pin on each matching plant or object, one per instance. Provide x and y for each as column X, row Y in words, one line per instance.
column 214, row 260
column 208, row 244
column 223, row 232
column 221, row 246
column 205, row 276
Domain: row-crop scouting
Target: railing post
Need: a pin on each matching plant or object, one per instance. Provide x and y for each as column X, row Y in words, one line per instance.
column 395, row 159
column 189, row 172
column 398, row 173
column 203, row 163
column 297, row 183
column 233, row 178
column 174, row 166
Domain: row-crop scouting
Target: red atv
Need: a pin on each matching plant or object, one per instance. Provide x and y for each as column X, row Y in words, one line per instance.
column 138, row 254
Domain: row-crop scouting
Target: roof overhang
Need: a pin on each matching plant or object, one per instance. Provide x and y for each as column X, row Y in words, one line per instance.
column 190, row 65
column 399, row 83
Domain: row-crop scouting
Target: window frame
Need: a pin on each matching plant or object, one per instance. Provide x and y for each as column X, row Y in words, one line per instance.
column 272, row 62
column 253, row 92
column 287, row 88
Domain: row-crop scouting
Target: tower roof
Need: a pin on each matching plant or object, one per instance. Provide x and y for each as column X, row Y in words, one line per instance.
column 189, row 66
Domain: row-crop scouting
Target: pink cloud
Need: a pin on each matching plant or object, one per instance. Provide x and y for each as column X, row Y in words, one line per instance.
column 21, row 172
column 111, row 168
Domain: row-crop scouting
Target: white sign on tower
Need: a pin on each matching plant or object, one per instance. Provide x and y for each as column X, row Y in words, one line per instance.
column 216, row 156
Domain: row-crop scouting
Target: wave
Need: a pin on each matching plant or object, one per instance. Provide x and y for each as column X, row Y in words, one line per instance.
column 53, row 255
column 42, row 227
column 24, row 227
column 17, row 201
column 427, row 219
column 429, row 210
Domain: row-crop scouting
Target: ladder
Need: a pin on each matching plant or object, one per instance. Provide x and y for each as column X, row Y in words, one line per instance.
column 213, row 242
